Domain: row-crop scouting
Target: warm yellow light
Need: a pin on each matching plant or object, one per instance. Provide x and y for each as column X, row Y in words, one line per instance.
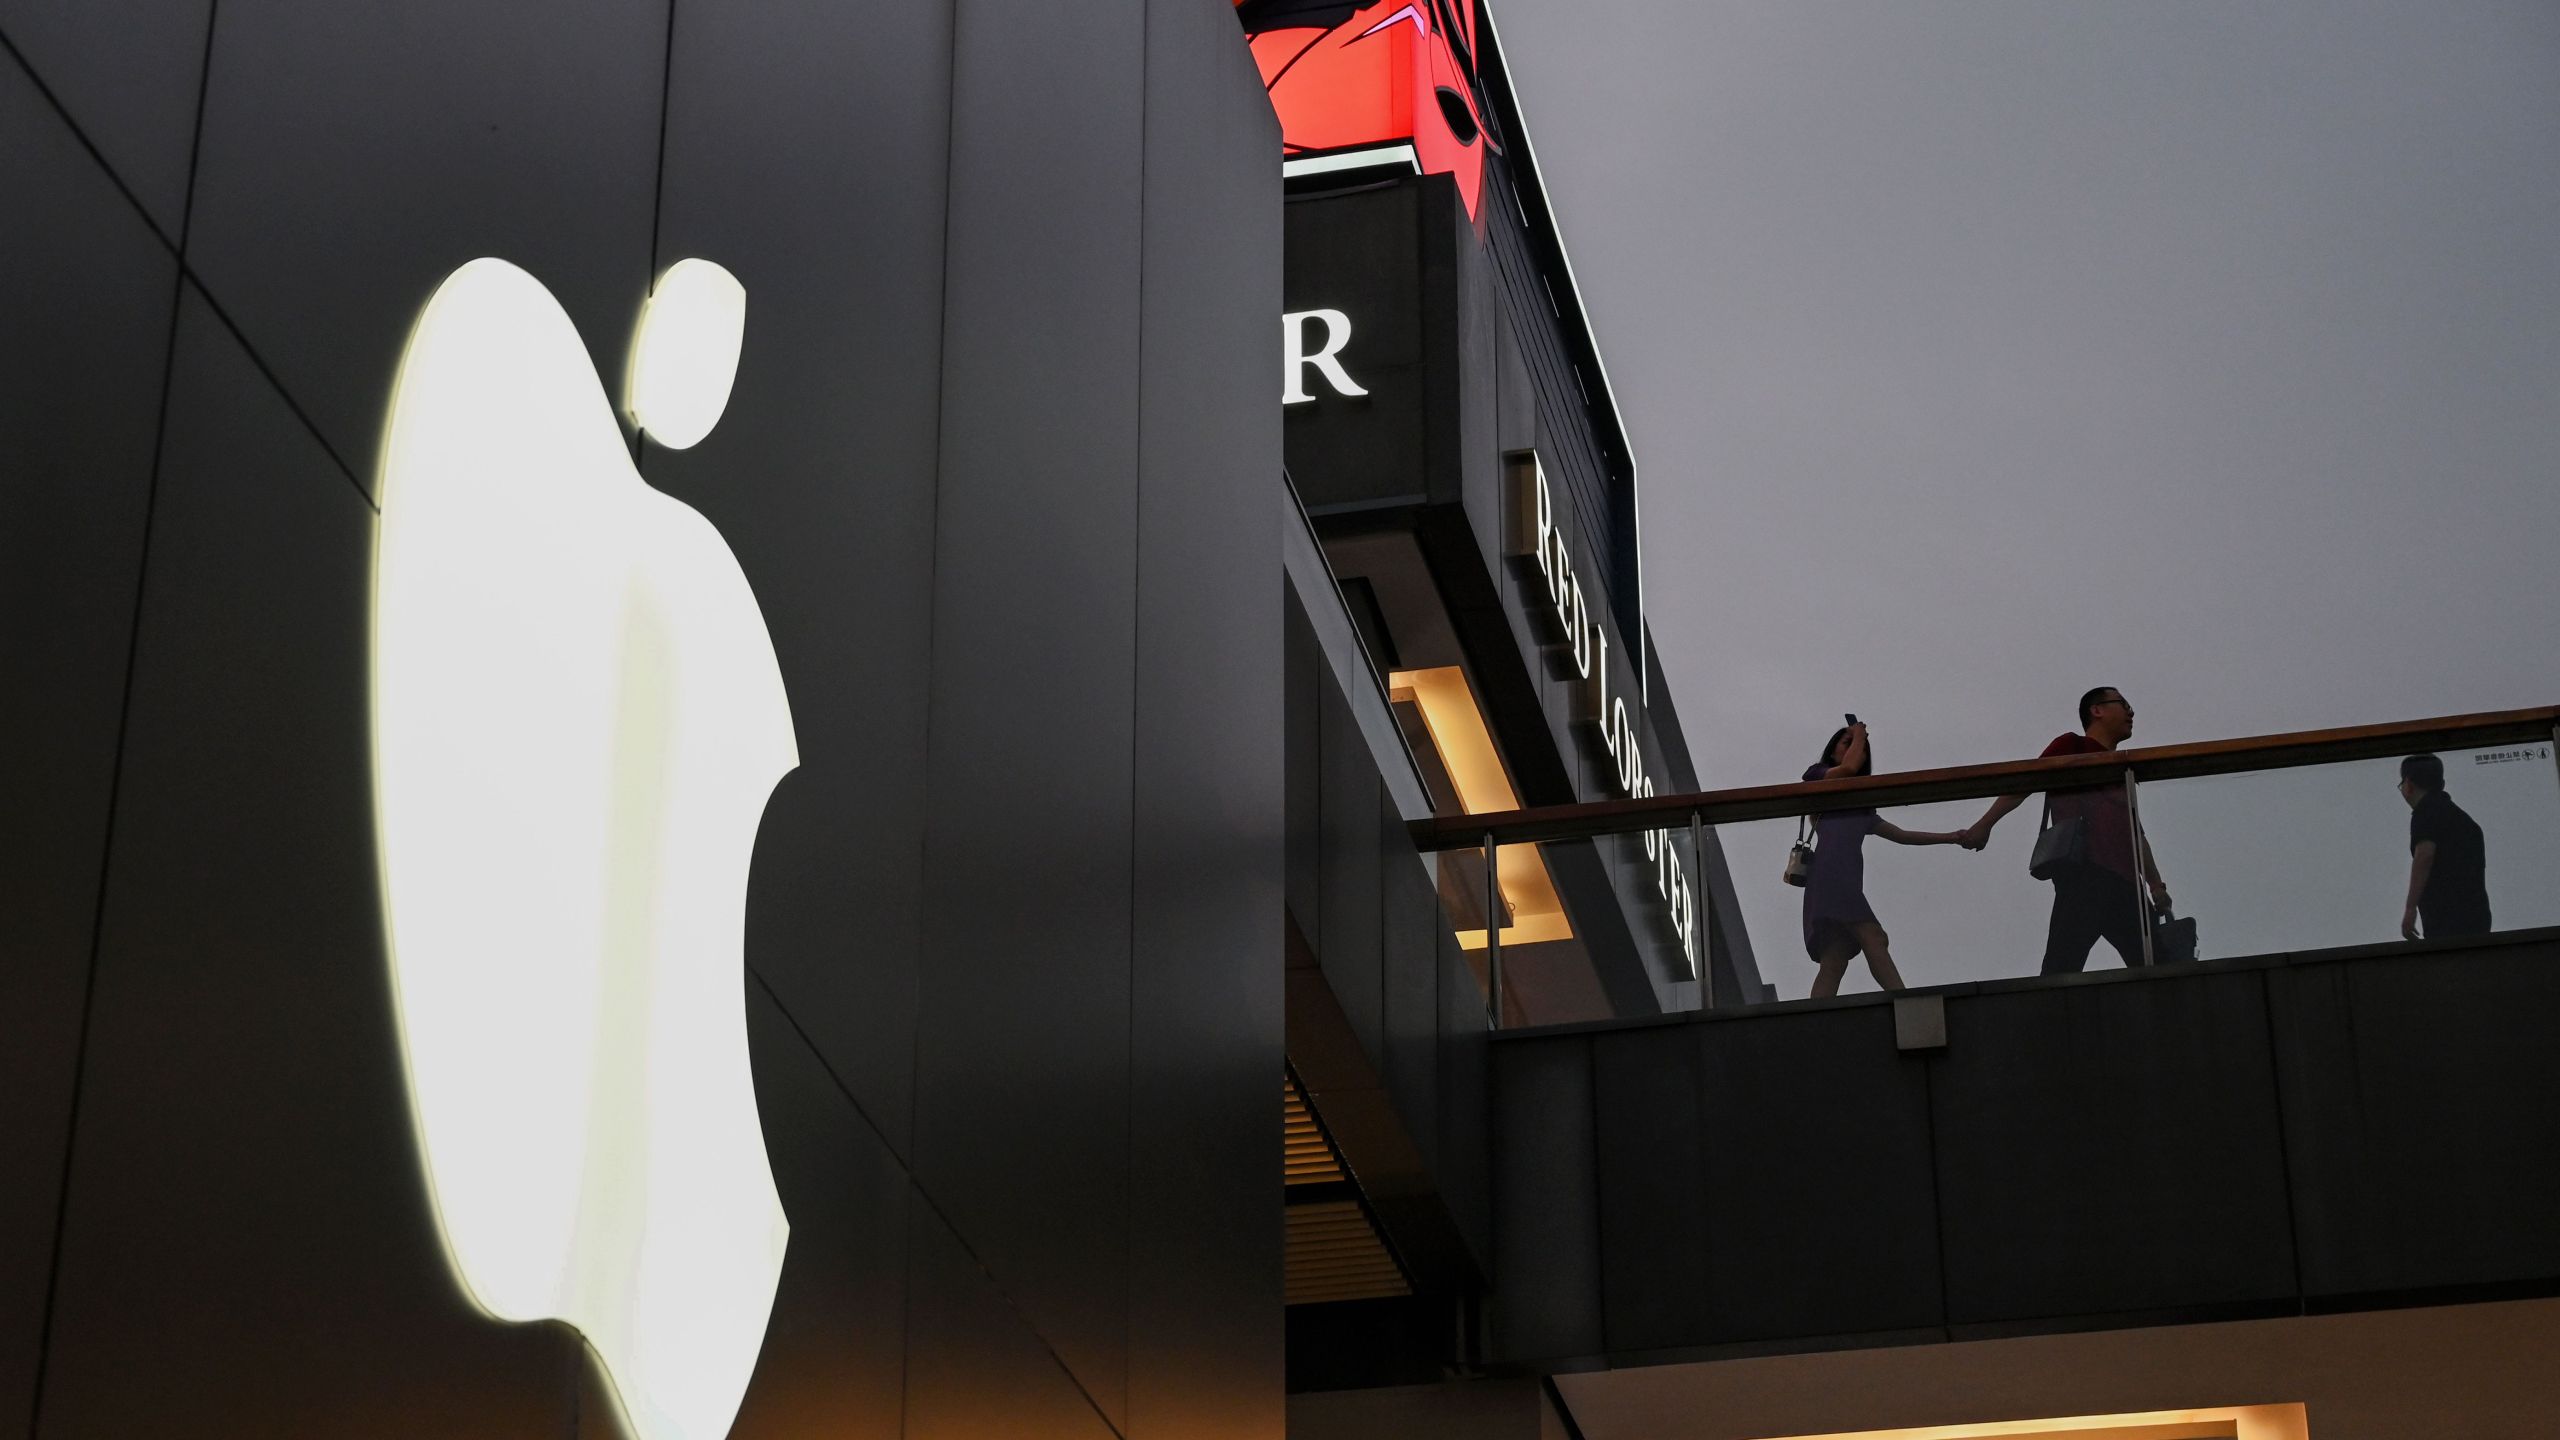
column 2234, row 1422
column 577, row 719
column 1458, row 732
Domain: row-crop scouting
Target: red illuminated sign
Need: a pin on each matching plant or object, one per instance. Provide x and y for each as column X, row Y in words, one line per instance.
column 1345, row 75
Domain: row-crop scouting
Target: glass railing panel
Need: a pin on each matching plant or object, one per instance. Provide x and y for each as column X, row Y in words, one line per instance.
column 1948, row 913
column 1464, row 882
column 1654, row 894
column 1610, row 914
column 1461, row 880
column 1686, row 945
column 1591, row 929
column 1755, row 855
column 2318, row 856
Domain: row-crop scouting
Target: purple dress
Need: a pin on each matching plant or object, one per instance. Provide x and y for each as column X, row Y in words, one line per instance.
column 1835, row 892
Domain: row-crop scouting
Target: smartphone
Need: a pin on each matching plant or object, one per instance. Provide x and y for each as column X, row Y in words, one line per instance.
column 1851, row 719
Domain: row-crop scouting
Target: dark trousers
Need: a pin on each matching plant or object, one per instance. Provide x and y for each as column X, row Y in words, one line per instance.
column 2448, row 922
column 2092, row 904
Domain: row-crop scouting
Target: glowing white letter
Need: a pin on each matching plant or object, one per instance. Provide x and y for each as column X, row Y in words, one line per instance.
column 1337, row 333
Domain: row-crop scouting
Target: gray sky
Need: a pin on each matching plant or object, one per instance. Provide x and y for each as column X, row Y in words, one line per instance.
column 1979, row 351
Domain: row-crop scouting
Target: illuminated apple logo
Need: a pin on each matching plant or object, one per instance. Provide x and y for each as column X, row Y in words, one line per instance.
column 577, row 720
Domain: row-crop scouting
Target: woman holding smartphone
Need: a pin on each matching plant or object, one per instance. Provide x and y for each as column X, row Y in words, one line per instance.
column 1838, row 922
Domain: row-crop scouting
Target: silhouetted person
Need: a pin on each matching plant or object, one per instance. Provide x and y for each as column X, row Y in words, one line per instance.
column 2448, row 858
column 1838, row 922
column 2094, row 900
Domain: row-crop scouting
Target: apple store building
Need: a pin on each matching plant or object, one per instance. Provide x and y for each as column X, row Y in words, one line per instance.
column 775, row 719
column 642, row 720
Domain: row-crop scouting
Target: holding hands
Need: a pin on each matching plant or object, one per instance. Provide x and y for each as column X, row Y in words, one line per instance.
column 1900, row 836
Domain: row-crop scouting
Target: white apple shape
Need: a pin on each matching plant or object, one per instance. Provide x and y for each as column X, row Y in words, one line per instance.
column 577, row 721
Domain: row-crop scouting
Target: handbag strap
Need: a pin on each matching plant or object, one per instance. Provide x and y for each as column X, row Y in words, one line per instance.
column 1804, row 830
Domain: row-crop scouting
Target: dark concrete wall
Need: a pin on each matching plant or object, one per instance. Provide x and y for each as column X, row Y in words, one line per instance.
column 2263, row 1137
column 1000, row 465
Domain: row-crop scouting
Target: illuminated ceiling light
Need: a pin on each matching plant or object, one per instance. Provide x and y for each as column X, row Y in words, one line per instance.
column 577, row 720
column 685, row 355
column 1458, row 732
column 2228, row 1422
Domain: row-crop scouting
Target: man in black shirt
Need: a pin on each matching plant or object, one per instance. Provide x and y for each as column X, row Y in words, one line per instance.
column 2448, row 860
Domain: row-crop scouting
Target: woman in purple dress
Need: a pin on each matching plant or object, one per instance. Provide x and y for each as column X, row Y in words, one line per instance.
column 1838, row 922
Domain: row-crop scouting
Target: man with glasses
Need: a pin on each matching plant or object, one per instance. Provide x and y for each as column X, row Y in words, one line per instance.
column 2095, row 899
column 2448, row 858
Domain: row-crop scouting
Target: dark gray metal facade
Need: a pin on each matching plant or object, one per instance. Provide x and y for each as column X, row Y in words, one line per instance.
column 1000, row 466
column 1399, row 1071
column 1467, row 370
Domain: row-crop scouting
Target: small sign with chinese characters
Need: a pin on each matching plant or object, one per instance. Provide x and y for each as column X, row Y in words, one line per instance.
column 2518, row 752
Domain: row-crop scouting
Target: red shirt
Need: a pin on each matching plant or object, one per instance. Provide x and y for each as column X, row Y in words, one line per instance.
column 2101, row 809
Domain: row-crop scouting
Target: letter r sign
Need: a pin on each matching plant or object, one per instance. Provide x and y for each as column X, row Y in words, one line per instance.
column 1326, row 358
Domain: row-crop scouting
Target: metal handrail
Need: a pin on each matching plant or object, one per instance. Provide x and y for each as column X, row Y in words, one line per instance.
column 1975, row 782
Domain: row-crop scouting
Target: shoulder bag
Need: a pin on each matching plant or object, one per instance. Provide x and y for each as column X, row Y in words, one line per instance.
column 1800, row 859
column 2062, row 845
